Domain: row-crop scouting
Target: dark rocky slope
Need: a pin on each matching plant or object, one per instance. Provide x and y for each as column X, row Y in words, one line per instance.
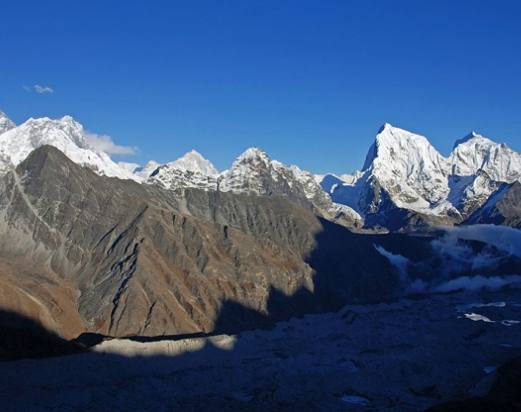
column 502, row 208
column 80, row 252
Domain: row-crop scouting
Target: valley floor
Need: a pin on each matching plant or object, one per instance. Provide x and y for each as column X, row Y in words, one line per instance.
column 404, row 356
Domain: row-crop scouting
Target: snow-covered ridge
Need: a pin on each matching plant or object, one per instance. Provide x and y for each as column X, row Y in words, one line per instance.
column 417, row 177
column 65, row 134
column 478, row 153
column 402, row 170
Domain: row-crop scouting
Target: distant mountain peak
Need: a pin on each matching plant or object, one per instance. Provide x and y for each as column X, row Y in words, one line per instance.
column 471, row 136
column 193, row 161
column 253, row 153
column 65, row 134
column 392, row 142
column 385, row 126
column 5, row 123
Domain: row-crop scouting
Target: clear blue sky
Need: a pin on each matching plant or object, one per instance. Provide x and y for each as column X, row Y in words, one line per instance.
column 308, row 81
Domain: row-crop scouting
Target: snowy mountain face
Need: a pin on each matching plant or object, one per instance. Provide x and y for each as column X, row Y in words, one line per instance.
column 65, row 134
column 477, row 153
column 5, row 123
column 409, row 168
column 404, row 169
column 190, row 170
column 144, row 172
column 253, row 172
column 405, row 166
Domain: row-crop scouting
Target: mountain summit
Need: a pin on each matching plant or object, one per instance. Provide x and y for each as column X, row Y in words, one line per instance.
column 190, row 170
column 65, row 134
column 5, row 123
column 405, row 175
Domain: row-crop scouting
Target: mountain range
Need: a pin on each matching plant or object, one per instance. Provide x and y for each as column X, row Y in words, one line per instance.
column 405, row 183
column 88, row 245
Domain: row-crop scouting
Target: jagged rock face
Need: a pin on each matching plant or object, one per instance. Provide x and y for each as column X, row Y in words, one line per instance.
column 120, row 258
column 502, row 208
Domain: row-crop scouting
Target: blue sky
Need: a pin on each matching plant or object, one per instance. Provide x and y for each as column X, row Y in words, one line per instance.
column 308, row 81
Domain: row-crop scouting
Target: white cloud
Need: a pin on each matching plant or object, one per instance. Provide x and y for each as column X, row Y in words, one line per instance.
column 38, row 88
column 42, row 89
column 104, row 143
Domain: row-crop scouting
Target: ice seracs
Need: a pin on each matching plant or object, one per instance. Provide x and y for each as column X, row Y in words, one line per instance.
column 65, row 134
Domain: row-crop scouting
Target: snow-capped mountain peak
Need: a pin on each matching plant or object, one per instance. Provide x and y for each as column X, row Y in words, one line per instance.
column 404, row 168
column 253, row 154
column 190, row 170
column 5, row 123
column 193, row 161
column 476, row 153
column 472, row 135
column 409, row 167
column 65, row 134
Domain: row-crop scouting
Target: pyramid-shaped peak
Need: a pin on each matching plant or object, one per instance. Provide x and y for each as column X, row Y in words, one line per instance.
column 385, row 126
column 193, row 161
column 253, row 153
column 390, row 131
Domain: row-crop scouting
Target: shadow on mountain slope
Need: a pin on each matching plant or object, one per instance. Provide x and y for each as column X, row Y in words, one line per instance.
column 347, row 269
column 21, row 337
